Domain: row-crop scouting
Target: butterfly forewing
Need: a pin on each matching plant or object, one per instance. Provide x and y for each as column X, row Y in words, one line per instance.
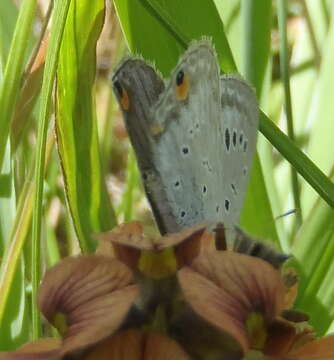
column 188, row 148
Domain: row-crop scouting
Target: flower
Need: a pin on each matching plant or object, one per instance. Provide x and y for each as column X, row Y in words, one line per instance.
column 182, row 296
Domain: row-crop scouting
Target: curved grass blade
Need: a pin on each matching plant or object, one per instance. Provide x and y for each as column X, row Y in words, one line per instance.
column 257, row 19
column 321, row 117
column 56, row 33
column 285, row 74
column 9, row 87
column 314, row 245
column 317, row 294
column 304, row 166
column 14, row 335
column 76, row 127
column 257, row 216
column 11, row 258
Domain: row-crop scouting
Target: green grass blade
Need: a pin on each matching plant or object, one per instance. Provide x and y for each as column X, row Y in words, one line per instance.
column 56, row 33
column 318, row 296
column 11, row 258
column 76, row 127
column 319, row 19
column 132, row 179
column 285, row 74
column 29, row 95
column 321, row 117
column 14, row 313
column 311, row 241
column 8, row 18
column 31, row 87
column 304, row 166
column 257, row 216
column 323, row 315
column 14, row 70
column 257, row 19
column 230, row 13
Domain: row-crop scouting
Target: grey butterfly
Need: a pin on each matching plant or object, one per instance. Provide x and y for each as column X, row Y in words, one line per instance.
column 194, row 137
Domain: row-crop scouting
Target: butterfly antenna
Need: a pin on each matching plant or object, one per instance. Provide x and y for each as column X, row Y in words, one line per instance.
column 293, row 211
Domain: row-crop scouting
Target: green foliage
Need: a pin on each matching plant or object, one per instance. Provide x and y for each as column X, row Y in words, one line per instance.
column 52, row 202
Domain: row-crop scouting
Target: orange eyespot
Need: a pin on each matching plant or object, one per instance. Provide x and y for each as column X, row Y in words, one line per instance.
column 182, row 85
column 125, row 101
column 123, row 96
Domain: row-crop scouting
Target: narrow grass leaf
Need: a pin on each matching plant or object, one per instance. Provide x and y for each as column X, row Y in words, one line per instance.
column 57, row 28
column 304, row 166
column 285, row 75
column 318, row 297
column 311, row 246
column 132, row 179
column 14, row 314
column 257, row 19
column 10, row 264
column 230, row 13
column 76, row 126
column 9, row 88
column 257, row 215
column 321, row 117
column 8, row 17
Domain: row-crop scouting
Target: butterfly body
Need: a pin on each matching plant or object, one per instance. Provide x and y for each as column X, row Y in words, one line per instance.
column 194, row 137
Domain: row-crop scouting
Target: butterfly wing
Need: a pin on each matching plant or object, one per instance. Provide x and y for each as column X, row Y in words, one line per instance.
column 239, row 125
column 137, row 88
column 187, row 140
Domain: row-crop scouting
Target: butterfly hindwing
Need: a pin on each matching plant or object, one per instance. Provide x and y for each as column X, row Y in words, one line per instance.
column 137, row 87
column 239, row 124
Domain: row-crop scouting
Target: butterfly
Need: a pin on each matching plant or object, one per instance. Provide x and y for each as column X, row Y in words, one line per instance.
column 194, row 136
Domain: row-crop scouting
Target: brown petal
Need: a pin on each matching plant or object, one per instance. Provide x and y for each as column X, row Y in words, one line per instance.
column 91, row 294
column 288, row 331
column 281, row 336
column 128, row 234
column 189, row 243
column 180, row 237
column 44, row 349
column 124, row 242
column 136, row 345
column 321, row 349
column 225, row 288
